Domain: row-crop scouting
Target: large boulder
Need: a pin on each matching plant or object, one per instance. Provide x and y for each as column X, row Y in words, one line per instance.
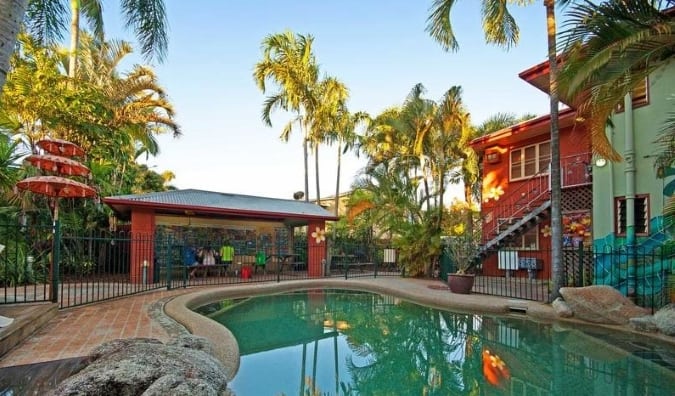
column 139, row 366
column 601, row 304
column 664, row 319
column 561, row 308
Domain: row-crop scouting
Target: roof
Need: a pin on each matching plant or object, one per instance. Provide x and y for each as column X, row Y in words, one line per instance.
column 197, row 202
column 524, row 130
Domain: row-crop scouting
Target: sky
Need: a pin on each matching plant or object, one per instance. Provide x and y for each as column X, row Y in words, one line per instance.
column 378, row 48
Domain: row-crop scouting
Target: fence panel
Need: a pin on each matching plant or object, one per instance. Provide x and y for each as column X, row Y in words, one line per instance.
column 98, row 266
column 24, row 263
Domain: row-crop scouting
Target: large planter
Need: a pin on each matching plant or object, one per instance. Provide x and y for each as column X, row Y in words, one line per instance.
column 461, row 283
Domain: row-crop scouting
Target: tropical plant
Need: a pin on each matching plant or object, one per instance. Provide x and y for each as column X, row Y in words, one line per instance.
column 609, row 49
column 289, row 63
column 501, row 29
column 10, row 20
column 47, row 21
column 414, row 148
column 330, row 97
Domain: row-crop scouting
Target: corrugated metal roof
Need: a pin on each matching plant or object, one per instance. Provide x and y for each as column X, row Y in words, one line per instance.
column 186, row 199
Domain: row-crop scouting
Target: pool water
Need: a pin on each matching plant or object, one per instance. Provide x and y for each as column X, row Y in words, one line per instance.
column 332, row 342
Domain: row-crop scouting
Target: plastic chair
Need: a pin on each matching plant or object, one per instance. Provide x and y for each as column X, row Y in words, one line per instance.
column 260, row 261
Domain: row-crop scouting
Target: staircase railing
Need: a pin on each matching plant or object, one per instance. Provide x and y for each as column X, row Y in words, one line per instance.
column 532, row 193
column 528, row 195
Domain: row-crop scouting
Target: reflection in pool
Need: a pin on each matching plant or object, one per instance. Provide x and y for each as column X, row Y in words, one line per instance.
column 347, row 343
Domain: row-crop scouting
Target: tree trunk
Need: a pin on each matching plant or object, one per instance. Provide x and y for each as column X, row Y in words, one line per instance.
column 11, row 15
column 469, row 213
column 74, row 36
column 306, row 155
column 441, row 187
column 556, row 190
column 316, row 171
column 337, row 182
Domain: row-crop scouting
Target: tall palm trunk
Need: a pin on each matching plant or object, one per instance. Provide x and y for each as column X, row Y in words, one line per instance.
column 306, row 159
column 556, row 190
column 11, row 15
column 337, row 181
column 74, row 36
column 316, row 170
column 441, row 188
column 468, row 197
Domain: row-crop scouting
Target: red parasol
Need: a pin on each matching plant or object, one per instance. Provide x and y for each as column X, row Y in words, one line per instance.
column 55, row 186
column 61, row 165
column 60, row 147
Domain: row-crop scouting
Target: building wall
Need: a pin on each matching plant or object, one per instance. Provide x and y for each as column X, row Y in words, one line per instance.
column 610, row 180
column 498, row 191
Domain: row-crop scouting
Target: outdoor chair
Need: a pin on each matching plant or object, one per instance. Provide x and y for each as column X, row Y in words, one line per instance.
column 260, row 261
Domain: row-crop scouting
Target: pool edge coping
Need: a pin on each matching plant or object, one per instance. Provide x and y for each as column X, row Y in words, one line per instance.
column 180, row 308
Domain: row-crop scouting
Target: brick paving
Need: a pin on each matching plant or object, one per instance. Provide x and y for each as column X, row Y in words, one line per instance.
column 74, row 332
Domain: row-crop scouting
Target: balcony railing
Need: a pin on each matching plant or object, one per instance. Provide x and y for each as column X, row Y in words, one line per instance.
column 533, row 192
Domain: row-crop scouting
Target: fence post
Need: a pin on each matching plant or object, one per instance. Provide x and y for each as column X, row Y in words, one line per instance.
column 56, row 253
column 578, row 275
column 169, row 252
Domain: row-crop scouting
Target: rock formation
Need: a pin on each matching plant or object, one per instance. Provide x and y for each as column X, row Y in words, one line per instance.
column 601, row 304
column 182, row 366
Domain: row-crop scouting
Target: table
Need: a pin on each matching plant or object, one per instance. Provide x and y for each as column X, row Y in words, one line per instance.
column 284, row 259
column 343, row 259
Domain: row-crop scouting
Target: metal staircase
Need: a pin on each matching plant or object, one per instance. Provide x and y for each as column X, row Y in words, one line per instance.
column 515, row 213
column 520, row 226
column 527, row 205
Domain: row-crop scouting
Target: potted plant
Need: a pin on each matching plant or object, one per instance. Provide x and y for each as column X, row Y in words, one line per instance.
column 463, row 253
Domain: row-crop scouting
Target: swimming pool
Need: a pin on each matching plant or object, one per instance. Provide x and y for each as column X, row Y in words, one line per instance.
column 339, row 342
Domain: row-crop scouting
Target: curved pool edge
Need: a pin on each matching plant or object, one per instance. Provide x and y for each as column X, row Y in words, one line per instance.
column 180, row 308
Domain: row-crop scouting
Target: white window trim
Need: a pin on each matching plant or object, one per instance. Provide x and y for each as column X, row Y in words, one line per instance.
column 522, row 161
column 522, row 246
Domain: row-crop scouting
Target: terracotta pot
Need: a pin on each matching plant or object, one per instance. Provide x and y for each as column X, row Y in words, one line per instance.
column 461, row 283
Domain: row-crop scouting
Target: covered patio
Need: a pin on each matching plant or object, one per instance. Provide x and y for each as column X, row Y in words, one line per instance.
column 197, row 219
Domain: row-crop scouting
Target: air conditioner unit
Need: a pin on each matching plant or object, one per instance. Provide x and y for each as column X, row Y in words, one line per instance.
column 507, row 260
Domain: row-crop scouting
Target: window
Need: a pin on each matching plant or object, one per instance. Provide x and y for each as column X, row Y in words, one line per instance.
column 531, row 160
column 641, row 206
column 640, row 95
column 526, row 241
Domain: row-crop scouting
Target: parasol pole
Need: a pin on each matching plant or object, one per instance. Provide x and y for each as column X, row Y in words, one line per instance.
column 56, row 252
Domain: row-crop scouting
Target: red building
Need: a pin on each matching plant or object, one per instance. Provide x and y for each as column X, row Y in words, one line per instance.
column 516, row 190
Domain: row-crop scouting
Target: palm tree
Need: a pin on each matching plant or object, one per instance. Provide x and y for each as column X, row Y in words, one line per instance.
column 288, row 61
column 345, row 134
column 47, row 21
column 329, row 97
column 500, row 28
column 609, row 49
column 10, row 20
column 453, row 139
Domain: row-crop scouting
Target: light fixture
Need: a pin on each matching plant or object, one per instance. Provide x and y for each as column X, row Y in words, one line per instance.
column 600, row 162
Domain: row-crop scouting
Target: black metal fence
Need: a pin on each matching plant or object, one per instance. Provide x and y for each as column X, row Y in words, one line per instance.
column 97, row 266
column 103, row 265
column 645, row 276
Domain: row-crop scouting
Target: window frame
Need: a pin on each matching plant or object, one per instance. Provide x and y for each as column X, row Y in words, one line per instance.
column 523, row 162
column 620, row 227
column 519, row 243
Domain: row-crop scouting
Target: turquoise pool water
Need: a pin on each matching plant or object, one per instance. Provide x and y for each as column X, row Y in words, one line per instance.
column 351, row 343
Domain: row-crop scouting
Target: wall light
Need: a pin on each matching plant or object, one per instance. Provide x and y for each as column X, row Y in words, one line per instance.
column 600, row 162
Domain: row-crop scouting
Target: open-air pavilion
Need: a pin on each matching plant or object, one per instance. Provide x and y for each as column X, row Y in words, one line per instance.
column 252, row 224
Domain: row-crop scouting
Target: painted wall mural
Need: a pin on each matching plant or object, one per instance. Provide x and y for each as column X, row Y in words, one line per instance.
column 646, row 271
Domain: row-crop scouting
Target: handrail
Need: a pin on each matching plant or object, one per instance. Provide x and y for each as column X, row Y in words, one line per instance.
column 534, row 191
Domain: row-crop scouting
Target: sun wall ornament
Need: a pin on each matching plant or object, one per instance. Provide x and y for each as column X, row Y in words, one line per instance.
column 319, row 235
